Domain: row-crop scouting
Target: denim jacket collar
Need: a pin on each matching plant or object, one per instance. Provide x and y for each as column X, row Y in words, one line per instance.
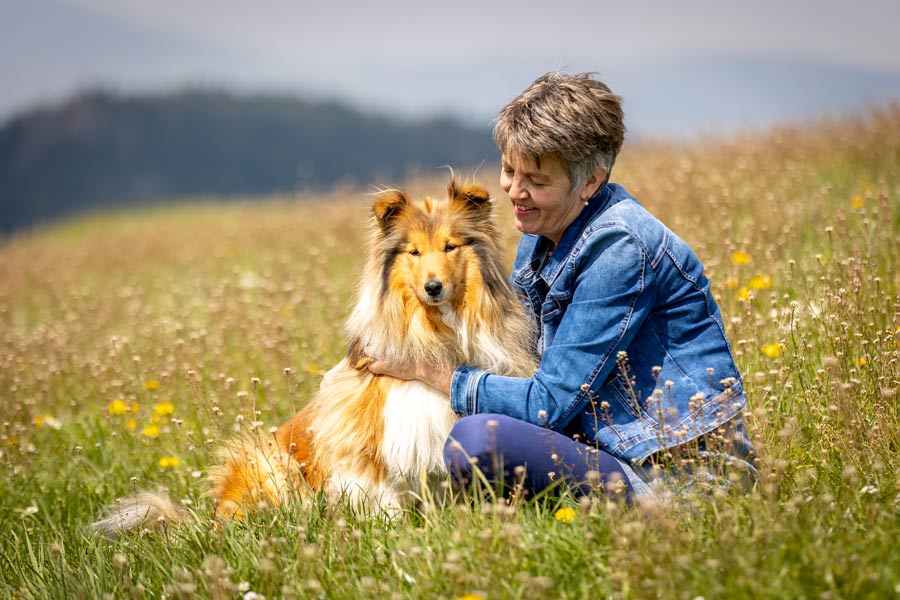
column 553, row 264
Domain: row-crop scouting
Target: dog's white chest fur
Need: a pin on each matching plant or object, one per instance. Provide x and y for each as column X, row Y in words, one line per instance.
column 417, row 421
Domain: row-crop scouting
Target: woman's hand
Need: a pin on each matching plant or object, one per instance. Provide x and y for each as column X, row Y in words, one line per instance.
column 438, row 377
column 403, row 371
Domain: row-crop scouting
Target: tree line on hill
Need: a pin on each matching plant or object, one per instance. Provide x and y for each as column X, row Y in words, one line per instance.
column 102, row 149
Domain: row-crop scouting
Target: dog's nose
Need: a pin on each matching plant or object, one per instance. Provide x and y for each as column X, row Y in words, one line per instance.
column 433, row 287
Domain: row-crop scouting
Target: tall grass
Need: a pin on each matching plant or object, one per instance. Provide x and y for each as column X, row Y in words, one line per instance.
column 134, row 343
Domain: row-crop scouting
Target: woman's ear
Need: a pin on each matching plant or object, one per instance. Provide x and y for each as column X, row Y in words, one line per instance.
column 593, row 182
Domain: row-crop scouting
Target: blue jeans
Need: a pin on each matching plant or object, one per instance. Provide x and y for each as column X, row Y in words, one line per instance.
column 498, row 445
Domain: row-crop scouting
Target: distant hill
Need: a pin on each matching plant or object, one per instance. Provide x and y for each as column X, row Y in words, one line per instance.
column 106, row 149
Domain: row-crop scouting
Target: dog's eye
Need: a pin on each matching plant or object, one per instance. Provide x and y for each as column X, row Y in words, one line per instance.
column 449, row 248
column 414, row 252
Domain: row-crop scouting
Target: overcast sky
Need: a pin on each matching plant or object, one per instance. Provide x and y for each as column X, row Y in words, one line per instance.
column 465, row 57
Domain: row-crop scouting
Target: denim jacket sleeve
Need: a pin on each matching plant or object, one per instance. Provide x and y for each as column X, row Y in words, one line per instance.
column 611, row 282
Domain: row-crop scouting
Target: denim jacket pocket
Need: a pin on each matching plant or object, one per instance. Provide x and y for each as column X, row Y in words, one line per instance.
column 628, row 406
column 553, row 308
column 625, row 422
column 552, row 311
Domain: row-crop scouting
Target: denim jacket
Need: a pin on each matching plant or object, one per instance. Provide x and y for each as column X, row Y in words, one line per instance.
column 632, row 346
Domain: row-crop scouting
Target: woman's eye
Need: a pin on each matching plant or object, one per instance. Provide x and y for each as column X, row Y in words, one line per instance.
column 414, row 252
column 449, row 248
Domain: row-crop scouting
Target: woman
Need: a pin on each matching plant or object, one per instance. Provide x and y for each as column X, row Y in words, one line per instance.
column 634, row 363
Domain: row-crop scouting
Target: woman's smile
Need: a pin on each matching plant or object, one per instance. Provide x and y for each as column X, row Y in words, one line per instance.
column 523, row 210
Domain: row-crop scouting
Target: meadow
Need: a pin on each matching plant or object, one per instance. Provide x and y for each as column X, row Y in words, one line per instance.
column 134, row 343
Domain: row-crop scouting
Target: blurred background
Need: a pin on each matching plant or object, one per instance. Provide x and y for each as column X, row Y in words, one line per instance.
column 118, row 102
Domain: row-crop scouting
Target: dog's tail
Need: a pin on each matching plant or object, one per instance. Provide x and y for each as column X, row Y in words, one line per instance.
column 142, row 510
column 253, row 472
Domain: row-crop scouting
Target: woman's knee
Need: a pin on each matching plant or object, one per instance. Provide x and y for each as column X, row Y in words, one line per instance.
column 478, row 436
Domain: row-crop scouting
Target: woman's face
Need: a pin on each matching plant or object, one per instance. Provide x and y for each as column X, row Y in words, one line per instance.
column 541, row 199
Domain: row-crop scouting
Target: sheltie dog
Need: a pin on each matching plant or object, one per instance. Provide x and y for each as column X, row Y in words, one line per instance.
column 433, row 292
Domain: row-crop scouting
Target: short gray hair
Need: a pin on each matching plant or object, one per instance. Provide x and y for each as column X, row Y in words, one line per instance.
column 573, row 118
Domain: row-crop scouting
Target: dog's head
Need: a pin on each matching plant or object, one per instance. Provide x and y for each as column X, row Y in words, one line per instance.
column 431, row 247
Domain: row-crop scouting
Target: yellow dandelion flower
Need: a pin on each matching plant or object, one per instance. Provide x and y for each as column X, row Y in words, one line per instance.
column 151, row 384
column 38, row 421
column 151, row 431
column 135, row 407
column 772, row 350
column 162, row 409
column 471, row 597
column 313, row 368
column 566, row 514
column 739, row 257
column 761, row 282
column 861, row 362
column 743, row 294
column 132, row 424
column 857, row 201
column 166, row 462
column 732, row 282
column 117, row 407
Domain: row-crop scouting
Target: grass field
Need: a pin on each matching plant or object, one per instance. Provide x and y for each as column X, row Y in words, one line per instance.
column 134, row 343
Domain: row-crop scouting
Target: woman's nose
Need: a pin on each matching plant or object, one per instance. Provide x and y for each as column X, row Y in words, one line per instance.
column 517, row 189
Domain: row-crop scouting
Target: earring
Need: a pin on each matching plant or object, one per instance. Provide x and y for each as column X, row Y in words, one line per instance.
column 587, row 201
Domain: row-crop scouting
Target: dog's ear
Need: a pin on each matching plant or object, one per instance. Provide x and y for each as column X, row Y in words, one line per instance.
column 472, row 197
column 388, row 206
